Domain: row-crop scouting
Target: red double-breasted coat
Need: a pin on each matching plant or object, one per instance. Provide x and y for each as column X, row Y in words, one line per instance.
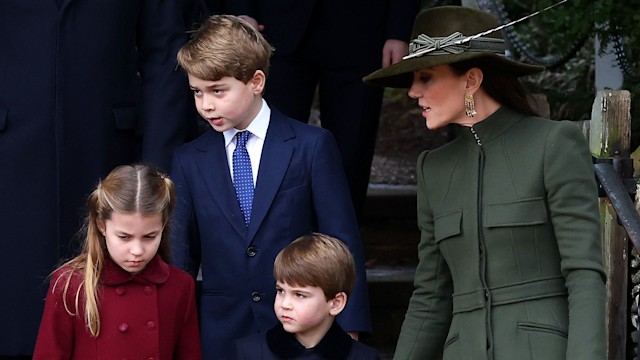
column 148, row 316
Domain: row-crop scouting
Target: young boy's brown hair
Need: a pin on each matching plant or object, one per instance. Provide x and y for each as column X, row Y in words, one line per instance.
column 214, row 49
column 316, row 260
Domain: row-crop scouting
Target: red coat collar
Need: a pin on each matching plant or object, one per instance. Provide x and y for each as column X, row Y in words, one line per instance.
column 156, row 272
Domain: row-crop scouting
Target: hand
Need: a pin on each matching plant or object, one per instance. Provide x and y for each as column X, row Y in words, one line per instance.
column 253, row 22
column 393, row 51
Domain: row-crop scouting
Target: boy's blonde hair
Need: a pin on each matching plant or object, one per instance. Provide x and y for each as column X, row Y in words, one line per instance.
column 128, row 189
column 225, row 45
column 317, row 260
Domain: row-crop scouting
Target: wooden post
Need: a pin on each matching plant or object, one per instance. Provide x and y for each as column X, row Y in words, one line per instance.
column 610, row 135
column 610, row 129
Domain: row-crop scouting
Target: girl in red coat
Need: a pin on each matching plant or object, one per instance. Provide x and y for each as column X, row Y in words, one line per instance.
column 119, row 298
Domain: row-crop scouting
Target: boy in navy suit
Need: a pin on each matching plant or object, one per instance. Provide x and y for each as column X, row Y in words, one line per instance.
column 314, row 277
column 250, row 187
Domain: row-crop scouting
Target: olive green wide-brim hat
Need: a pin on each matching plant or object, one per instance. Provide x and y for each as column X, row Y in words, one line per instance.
column 433, row 43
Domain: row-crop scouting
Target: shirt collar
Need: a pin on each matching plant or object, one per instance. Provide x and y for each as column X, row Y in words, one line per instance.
column 258, row 125
column 156, row 272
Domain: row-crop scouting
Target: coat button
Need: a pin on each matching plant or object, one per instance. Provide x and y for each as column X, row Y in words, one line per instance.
column 151, row 325
column 148, row 290
column 251, row 251
column 121, row 291
column 123, row 327
column 255, row 296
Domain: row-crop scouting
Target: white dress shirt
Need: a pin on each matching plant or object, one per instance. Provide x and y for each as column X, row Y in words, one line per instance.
column 258, row 127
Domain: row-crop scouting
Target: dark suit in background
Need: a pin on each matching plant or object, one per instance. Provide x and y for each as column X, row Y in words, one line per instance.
column 331, row 44
column 84, row 86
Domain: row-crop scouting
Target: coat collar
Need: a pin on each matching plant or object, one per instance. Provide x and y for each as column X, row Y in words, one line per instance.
column 491, row 127
column 156, row 272
column 336, row 343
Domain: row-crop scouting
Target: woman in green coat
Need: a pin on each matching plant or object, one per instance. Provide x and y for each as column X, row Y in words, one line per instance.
column 509, row 257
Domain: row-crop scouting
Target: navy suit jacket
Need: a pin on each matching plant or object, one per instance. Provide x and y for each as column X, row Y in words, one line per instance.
column 300, row 188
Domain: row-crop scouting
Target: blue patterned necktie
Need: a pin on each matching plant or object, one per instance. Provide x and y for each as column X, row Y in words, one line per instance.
column 242, row 175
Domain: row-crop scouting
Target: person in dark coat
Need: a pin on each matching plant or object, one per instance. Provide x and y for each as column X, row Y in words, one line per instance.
column 330, row 45
column 232, row 218
column 119, row 299
column 510, row 263
column 84, row 86
column 314, row 277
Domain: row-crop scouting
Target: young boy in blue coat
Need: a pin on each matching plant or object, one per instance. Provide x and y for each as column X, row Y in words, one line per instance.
column 314, row 277
column 247, row 189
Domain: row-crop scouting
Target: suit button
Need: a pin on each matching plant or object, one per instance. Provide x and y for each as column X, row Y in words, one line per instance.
column 148, row 290
column 251, row 251
column 121, row 291
column 255, row 296
column 151, row 325
column 123, row 327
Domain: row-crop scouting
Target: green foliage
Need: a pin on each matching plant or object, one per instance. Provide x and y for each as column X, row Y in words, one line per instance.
column 606, row 18
column 570, row 87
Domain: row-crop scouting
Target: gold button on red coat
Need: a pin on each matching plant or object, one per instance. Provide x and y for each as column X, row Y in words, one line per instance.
column 148, row 290
column 121, row 291
column 123, row 327
column 151, row 325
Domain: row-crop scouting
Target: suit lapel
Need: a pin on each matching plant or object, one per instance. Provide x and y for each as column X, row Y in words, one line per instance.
column 274, row 162
column 63, row 3
column 214, row 168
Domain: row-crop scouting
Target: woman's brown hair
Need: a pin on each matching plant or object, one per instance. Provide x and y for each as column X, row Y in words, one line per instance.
column 505, row 89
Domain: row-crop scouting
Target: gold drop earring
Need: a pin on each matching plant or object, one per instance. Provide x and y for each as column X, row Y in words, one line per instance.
column 469, row 105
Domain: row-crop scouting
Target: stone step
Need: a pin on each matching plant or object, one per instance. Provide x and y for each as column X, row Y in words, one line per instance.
column 390, row 202
column 390, row 236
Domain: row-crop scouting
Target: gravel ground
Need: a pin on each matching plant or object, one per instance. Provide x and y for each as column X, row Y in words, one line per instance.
column 402, row 136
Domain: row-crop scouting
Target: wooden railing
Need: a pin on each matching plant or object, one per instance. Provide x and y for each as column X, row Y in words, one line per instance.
column 609, row 135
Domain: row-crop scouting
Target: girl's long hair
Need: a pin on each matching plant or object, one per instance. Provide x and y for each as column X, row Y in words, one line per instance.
column 128, row 189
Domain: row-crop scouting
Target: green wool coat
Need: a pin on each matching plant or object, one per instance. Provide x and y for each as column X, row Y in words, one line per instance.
column 510, row 261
